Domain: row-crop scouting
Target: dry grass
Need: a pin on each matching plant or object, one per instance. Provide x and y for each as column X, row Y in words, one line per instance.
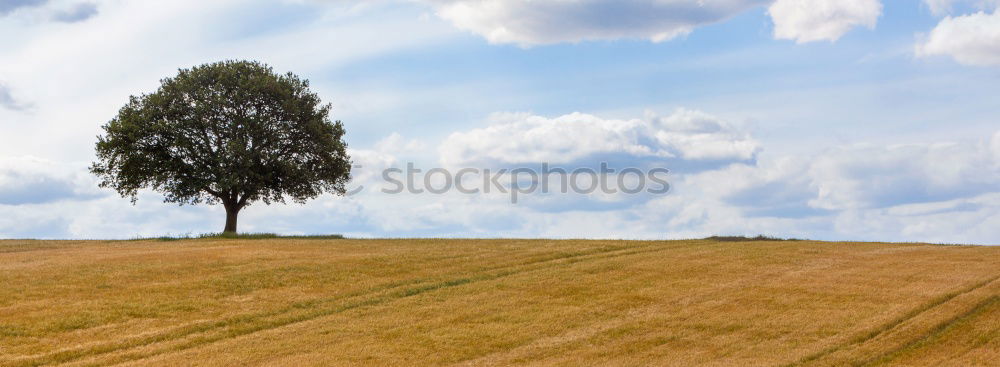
column 496, row 302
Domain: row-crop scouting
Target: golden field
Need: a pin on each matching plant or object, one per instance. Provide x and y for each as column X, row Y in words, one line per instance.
column 295, row 302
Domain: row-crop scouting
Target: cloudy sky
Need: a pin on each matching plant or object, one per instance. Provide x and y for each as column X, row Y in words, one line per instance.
column 824, row 119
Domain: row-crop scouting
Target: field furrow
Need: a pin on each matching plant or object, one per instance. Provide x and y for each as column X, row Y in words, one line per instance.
column 492, row 302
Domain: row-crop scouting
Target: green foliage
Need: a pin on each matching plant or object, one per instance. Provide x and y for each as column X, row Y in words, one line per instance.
column 231, row 132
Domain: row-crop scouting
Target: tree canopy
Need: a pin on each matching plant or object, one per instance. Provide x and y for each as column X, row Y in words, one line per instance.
column 232, row 132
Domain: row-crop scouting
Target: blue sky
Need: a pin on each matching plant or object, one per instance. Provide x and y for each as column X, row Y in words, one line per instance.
column 826, row 119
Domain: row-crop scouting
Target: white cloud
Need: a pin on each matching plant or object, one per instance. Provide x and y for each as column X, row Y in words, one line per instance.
column 8, row 101
column 967, row 220
column 819, row 20
column 862, row 177
column 942, row 192
column 74, row 13
column 995, row 145
column 875, row 177
column 684, row 136
column 31, row 180
column 537, row 22
column 972, row 39
column 369, row 163
column 10, row 6
column 72, row 100
column 939, row 7
column 779, row 187
column 942, row 7
column 938, row 192
column 65, row 11
column 945, row 192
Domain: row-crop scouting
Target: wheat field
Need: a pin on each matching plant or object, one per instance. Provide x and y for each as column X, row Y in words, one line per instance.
column 295, row 302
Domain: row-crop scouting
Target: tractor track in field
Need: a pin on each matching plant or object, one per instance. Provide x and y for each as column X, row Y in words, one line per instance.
column 198, row 334
column 937, row 330
column 888, row 327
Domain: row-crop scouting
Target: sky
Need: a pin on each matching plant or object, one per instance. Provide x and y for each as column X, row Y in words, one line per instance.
column 823, row 119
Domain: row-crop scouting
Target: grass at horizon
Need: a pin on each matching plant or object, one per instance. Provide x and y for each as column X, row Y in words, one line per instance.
column 244, row 236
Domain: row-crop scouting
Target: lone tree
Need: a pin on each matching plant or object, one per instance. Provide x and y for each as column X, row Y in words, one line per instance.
column 232, row 132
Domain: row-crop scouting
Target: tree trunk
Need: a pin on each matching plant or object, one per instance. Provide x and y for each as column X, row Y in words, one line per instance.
column 232, row 211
